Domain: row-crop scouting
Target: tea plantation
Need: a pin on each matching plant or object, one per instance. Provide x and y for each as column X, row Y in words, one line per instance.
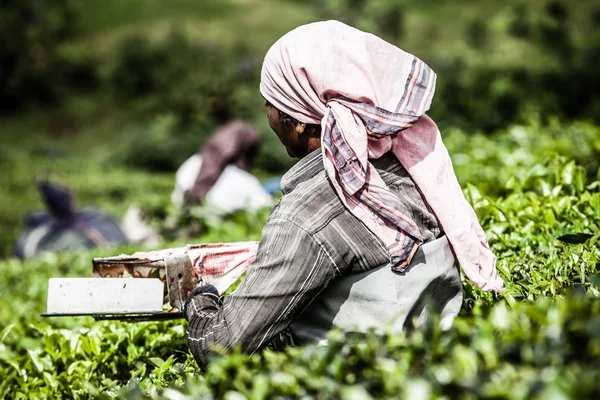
column 536, row 189
column 120, row 92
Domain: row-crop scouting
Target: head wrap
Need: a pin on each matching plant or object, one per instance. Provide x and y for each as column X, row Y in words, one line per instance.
column 370, row 98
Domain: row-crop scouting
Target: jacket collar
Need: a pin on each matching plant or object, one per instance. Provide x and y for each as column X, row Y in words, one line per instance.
column 304, row 169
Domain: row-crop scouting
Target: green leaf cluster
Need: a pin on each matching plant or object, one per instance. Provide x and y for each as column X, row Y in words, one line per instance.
column 548, row 349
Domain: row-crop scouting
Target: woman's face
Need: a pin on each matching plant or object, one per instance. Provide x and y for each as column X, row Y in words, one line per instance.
column 289, row 134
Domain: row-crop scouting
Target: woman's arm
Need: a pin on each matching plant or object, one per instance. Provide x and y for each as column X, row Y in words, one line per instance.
column 290, row 270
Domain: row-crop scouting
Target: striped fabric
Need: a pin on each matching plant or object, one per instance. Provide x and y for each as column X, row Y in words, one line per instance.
column 220, row 264
column 361, row 189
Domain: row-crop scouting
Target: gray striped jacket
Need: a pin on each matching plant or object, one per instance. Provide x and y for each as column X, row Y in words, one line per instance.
column 311, row 249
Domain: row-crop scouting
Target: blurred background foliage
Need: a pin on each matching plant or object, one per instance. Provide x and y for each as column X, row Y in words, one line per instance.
column 125, row 88
column 495, row 64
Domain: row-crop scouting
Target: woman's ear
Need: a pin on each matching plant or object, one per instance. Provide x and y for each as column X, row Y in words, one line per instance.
column 300, row 127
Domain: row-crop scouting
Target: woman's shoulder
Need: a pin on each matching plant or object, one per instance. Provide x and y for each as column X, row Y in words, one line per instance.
column 311, row 205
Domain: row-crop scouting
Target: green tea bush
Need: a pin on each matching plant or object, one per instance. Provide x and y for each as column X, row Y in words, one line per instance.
column 538, row 339
column 533, row 351
column 525, row 229
column 513, row 154
column 534, row 184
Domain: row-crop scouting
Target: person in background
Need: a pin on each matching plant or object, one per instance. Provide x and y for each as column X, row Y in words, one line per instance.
column 217, row 176
column 234, row 143
column 372, row 221
column 64, row 228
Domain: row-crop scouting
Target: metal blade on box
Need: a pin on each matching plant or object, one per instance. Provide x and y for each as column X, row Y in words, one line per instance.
column 93, row 296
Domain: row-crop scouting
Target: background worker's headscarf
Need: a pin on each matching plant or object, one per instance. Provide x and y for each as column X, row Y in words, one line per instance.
column 370, row 97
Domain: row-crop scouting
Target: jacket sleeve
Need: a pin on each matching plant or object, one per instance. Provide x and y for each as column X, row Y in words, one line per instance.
column 290, row 270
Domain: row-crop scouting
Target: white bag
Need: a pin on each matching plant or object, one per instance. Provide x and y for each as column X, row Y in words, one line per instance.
column 235, row 189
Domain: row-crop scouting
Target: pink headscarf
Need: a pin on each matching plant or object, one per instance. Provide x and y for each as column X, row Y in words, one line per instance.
column 370, row 98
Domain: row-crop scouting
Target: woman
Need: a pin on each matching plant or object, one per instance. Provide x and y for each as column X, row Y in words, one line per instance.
column 364, row 229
